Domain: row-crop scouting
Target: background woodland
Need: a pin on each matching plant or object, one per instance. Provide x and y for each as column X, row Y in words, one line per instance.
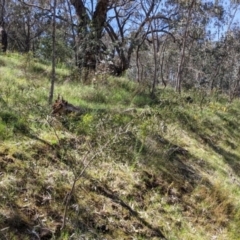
column 147, row 146
column 184, row 44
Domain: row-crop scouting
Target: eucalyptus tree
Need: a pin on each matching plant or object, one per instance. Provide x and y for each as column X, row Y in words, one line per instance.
column 34, row 9
column 28, row 24
column 53, row 78
column 190, row 27
column 3, row 25
column 227, row 61
column 90, row 28
column 24, row 25
column 112, row 30
column 172, row 49
column 233, row 65
column 3, row 33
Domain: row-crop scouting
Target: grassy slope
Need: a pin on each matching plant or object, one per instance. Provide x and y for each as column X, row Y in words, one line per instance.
column 164, row 168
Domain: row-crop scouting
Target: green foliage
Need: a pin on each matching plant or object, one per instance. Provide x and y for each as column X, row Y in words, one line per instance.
column 8, row 117
column 97, row 96
column 11, row 124
column 86, row 125
column 4, row 131
column 64, row 236
column 38, row 68
column 21, row 126
column 144, row 98
column 44, row 48
column 2, row 62
column 120, row 119
column 161, row 158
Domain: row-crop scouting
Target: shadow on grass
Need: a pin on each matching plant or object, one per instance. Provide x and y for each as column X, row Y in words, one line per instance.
column 174, row 177
column 230, row 158
column 107, row 192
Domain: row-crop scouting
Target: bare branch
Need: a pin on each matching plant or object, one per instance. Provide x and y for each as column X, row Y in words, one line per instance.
column 33, row 5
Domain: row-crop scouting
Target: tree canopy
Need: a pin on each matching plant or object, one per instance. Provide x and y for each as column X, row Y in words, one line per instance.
column 177, row 43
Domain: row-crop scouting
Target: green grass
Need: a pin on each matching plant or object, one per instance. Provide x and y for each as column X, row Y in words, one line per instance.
column 160, row 166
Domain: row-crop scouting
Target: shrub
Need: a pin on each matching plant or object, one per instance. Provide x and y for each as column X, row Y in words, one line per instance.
column 8, row 117
column 14, row 122
column 4, row 131
column 86, row 125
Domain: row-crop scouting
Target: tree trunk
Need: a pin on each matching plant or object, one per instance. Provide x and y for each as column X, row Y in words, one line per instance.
column 74, row 35
column 90, row 31
column 4, row 39
column 53, row 52
column 3, row 33
column 182, row 55
column 155, row 62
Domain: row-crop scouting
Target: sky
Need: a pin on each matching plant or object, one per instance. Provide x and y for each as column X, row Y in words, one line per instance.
column 235, row 12
column 232, row 18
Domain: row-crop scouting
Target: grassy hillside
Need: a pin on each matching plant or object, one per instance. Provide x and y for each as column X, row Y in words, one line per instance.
column 129, row 168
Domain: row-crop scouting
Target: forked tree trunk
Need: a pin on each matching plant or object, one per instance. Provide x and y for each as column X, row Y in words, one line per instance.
column 90, row 31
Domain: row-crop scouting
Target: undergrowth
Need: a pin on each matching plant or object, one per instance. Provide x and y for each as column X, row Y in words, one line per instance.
column 130, row 167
